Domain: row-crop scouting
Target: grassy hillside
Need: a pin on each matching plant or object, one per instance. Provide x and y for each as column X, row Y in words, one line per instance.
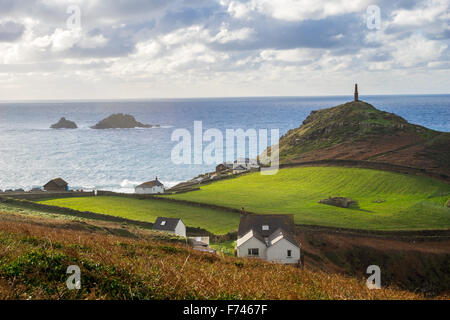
column 410, row 202
column 215, row 221
column 359, row 131
column 36, row 251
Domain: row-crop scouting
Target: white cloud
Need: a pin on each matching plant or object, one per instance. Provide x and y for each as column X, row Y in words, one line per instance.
column 292, row 55
column 225, row 35
column 428, row 12
column 298, row 10
column 416, row 50
column 97, row 41
column 234, row 48
column 64, row 39
column 238, row 9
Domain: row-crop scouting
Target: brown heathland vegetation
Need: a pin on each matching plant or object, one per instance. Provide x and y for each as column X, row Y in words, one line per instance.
column 118, row 261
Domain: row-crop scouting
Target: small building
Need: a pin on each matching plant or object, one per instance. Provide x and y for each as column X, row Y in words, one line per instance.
column 57, row 184
column 199, row 242
column 229, row 165
column 247, row 163
column 171, row 225
column 150, row 187
column 239, row 169
column 269, row 237
column 220, row 168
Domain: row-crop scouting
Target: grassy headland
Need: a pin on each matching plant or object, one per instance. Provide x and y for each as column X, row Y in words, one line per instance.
column 359, row 131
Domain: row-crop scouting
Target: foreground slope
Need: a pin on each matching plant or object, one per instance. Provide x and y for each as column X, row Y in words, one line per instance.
column 386, row 200
column 359, row 131
column 36, row 252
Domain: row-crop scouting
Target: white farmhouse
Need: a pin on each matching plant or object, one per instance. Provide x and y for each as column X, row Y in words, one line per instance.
column 150, row 187
column 171, row 225
column 246, row 163
column 268, row 237
column 238, row 168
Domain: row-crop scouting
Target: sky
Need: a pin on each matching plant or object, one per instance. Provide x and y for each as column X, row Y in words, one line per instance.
column 137, row 49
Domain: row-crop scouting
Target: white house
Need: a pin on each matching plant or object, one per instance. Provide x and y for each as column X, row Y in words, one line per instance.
column 268, row 237
column 239, row 168
column 171, row 225
column 150, row 187
column 246, row 163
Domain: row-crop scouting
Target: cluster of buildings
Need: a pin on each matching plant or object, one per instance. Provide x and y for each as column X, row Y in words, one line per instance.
column 268, row 237
column 238, row 166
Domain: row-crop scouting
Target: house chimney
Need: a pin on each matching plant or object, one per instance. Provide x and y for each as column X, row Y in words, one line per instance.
column 156, row 178
column 356, row 92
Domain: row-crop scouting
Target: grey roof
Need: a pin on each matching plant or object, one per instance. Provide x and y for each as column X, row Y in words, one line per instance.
column 286, row 235
column 280, row 225
column 150, row 184
column 249, row 235
column 58, row 181
column 170, row 224
column 274, row 221
column 258, row 236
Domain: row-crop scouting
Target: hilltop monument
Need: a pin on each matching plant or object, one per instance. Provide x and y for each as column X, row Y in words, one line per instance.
column 356, row 92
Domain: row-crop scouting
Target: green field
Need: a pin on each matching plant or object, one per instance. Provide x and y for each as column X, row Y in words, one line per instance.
column 411, row 202
column 215, row 221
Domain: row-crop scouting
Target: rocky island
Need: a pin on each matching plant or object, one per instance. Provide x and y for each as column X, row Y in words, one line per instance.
column 121, row 121
column 63, row 123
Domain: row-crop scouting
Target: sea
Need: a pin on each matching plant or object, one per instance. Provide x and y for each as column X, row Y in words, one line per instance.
column 118, row 159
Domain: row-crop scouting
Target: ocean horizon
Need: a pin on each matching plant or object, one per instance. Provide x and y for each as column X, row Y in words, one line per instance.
column 119, row 159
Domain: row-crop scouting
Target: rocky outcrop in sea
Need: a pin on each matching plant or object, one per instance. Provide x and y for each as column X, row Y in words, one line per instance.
column 63, row 123
column 121, row 121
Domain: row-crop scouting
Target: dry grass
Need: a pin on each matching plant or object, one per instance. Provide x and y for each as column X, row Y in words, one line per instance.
column 140, row 264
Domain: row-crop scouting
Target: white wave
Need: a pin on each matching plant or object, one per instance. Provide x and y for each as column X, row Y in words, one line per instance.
column 129, row 184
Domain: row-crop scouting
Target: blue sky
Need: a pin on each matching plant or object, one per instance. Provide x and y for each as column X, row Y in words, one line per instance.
column 204, row 48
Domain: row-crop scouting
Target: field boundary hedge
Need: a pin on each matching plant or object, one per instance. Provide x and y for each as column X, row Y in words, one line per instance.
column 164, row 198
column 36, row 195
column 369, row 165
column 192, row 231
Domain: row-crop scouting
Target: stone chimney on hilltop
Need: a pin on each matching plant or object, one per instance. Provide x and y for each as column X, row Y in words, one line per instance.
column 356, row 92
